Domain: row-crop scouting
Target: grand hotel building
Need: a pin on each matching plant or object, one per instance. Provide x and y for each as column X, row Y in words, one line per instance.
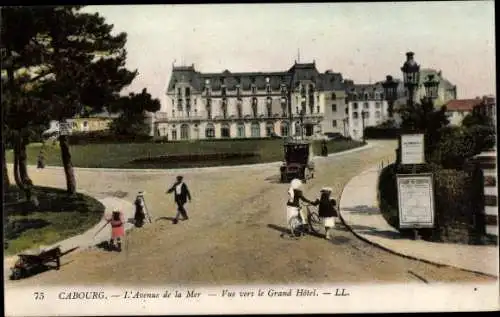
column 251, row 105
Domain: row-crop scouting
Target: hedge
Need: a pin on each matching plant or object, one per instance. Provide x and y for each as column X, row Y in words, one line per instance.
column 458, row 199
column 381, row 133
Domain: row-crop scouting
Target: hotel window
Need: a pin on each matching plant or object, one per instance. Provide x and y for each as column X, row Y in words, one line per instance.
column 269, row 129
column 334, row 96
column 223, row 91
column 241, row 130
column 239, row 110
column 334, row 123
column 255, row 129
column 355, row 106
column 225, row 132
column 179, row 93
column 377, row 105
column 173, row 113
column 210, row 131
column 284, row 129
column 334, row 108
column 254, row 89
column 347, row 110
column 317, row 109
column 268, row 88
column 365, row 105
column 377, row 114
column 355, row 115
column 188, row 92
column 184, row 132
column 254, row 106
column 366, row 96
column 179, row 105
column 367, row 114
column 174, row 134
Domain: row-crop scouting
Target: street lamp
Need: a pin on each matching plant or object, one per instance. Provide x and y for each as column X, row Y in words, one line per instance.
column 411, row 76
column 431, row 88
column 391, row 93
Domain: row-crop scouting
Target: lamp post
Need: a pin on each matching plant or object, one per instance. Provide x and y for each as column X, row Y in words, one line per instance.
column 363, row 116
column 390, row 93
column 431, row 88
column 411, row 77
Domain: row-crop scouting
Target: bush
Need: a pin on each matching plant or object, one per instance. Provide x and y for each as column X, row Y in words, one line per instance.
column 103, row 137
column 458, row 201
column 454, row 148
column 381, row 132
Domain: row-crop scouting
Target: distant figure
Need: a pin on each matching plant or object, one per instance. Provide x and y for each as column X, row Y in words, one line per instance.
column 324, row 148
column 327, row 210
column 140, row 213
column 181, row 196
column 41, row 158
column 117, row 229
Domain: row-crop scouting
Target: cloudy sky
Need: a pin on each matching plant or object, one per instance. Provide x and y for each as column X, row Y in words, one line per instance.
column 363, row 41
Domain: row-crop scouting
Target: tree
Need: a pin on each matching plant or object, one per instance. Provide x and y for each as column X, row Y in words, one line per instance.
column 70, row 59
column 22, row 71
column 131, row 122
column 481, row 128
column 87, row 64
column 424, row 118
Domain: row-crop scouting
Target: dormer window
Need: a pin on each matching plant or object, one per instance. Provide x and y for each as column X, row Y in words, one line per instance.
column 268, row 88
column 254, row 89
column 188, row 92
column 238, row 90
column 223, row 90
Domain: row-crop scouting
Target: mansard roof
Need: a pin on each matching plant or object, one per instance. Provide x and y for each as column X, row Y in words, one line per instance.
column 298, row 72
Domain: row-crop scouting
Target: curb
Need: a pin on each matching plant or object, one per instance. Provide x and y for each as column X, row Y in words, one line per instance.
column 357, row 235
column 205, row 169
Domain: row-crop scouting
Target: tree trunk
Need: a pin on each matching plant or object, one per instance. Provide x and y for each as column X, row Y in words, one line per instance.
column 6, row 180
column 17, row 176
column 23, row 168
column 68, row 166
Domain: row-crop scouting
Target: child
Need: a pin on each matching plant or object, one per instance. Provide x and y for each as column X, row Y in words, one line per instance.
column 139, row 215
column 117, row 229
column 327, row 210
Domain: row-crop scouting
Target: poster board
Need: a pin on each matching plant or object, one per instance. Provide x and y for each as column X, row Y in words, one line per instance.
column 416, row 200
column 412, row 149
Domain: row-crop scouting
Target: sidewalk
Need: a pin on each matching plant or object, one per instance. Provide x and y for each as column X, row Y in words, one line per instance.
column 359, row 210
column 89, row 238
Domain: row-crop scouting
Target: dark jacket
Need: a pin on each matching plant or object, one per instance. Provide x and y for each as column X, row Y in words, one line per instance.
column 297, row 197
column 327, row 208
column 183, row 196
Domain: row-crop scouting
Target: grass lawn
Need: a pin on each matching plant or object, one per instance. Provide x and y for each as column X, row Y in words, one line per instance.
column 120, row 155
column 58, row 217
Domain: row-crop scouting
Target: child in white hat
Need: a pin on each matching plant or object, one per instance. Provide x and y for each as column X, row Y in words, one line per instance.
column 327, row 210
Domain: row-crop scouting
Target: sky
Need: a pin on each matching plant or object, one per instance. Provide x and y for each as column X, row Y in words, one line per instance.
column 363, row 41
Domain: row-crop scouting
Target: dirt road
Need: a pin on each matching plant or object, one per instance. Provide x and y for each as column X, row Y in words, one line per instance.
column 233, row 235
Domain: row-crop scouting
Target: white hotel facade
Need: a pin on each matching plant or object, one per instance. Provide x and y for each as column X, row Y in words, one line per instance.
column 251, row 105
column 263, row 104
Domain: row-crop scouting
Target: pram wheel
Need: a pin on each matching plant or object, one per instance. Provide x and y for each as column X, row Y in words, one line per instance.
column 296, row 227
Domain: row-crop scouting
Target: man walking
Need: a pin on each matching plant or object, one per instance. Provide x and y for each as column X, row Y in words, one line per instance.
column 181, row 196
